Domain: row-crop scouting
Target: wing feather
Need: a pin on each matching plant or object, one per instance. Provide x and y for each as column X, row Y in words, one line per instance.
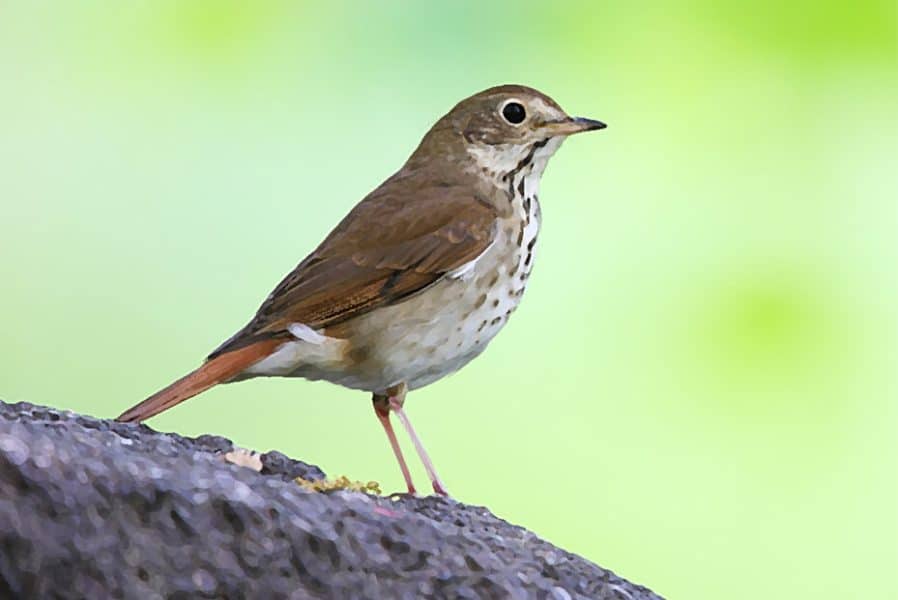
column 402, row 238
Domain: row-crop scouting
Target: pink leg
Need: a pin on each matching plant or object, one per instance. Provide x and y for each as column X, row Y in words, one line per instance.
column 396, row 405
column 382, row 410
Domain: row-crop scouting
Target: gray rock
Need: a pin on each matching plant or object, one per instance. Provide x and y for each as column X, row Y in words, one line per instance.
column 92, row 508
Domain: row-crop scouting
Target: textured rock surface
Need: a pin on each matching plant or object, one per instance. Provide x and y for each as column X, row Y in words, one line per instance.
column 96, row 509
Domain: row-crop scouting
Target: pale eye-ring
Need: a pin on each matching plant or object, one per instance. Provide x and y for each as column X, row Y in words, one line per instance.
column 514, row 112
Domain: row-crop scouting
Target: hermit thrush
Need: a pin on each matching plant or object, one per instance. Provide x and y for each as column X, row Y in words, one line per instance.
column 418, row 278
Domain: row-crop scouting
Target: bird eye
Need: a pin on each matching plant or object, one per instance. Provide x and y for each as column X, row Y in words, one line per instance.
column 514, row 113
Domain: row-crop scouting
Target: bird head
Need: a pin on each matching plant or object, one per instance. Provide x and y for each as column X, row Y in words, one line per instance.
column 500, row 127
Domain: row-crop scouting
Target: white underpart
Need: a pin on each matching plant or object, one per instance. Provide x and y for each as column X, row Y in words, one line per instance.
column 466, row 270
column 500, row 159
column 540, row 159
column 495, row 159
column 474, row 322
column 438, row 354
column 303, row 332
column 310, row 347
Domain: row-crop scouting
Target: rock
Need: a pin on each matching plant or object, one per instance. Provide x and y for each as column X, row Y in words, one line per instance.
column 92, row 508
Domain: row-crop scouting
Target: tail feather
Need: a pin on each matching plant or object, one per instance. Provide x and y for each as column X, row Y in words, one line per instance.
column 214, row 371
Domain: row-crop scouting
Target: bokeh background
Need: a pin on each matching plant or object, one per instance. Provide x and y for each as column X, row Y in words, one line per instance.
column 699, row 390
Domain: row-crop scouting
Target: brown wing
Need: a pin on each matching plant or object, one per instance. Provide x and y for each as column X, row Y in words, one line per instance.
column 400, row 239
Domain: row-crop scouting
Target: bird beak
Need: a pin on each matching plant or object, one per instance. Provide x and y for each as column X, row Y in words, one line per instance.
column 572, row 125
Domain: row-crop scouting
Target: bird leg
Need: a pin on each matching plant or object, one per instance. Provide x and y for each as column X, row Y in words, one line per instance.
column 396, row 400
column 382, row 410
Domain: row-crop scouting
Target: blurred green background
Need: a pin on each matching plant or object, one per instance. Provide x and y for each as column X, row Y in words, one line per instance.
column 699, row 389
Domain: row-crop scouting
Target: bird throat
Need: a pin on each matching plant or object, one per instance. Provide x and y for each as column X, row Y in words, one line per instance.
column 515, row 168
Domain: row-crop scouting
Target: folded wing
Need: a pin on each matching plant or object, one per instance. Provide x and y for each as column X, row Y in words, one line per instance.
column 403, row 237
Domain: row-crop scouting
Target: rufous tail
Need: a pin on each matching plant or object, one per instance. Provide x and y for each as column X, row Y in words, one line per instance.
column 217, row 370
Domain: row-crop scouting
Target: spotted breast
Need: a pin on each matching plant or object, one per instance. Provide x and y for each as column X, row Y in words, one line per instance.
column 438, row 331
